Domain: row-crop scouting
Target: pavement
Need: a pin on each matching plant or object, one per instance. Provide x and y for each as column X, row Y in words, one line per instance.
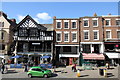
column 64, row 73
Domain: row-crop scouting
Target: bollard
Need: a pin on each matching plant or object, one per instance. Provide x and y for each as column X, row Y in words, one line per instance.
column 105, row 74
column 78, row 73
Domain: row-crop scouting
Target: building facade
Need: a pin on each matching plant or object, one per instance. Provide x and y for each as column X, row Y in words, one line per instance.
column 112, row 38
column 66, row 40
column 33, row 41
column 91, row 39
column 6, row 35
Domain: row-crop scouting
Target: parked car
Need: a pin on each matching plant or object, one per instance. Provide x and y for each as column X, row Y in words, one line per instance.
column 39, row 71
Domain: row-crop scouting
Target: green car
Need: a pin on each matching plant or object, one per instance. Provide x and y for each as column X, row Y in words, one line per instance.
column 39, row 71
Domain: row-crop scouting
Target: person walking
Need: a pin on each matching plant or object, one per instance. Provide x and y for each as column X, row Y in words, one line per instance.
column 74, row 67
column 26, row 67
column 2, row 68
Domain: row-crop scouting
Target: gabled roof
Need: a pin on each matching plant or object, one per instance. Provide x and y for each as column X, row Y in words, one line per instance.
column 29, row 17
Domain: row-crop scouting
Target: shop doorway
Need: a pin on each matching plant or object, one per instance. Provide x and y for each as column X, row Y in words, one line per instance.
column 96, row 48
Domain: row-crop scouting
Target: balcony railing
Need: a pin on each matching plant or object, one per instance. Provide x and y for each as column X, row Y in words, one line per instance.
column 33, row 38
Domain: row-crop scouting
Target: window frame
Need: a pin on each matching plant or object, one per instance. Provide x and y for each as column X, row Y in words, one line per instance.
column 94, row 20
column 74, row 32
column 109, row 22
column 60, row 36
column 68, row 36
column 110, row 34
column 97, row 34
column 88, row 34
column 60, row 21
column 84, row 22
column 72, row 24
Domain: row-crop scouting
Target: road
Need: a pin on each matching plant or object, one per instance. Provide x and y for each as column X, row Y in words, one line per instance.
column 68, row 73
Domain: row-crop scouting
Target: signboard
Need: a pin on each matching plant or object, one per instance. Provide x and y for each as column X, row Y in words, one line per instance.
column 36, row 43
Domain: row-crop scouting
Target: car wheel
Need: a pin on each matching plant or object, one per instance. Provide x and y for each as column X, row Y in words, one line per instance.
column 30, row 75
column 45, row 76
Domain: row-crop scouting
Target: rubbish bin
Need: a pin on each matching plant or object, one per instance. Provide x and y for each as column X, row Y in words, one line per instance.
column 101, row 72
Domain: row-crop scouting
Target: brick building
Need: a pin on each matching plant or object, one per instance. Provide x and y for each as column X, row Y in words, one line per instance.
column 66, row 39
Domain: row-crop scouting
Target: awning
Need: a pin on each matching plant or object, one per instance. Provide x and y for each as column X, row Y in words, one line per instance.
column 112, row 43
column 93, row 56
column 113, row 55
column 26, row 53
column 45, row 57
column 17, row 56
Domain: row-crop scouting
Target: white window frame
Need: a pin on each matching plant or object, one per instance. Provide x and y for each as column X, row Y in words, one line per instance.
column 66, row 32
column 72, row 22
column 88, row 34
column 116, row 20
column 64, row 24
column 93, row 20
column 59, row 32
column 85, row 20
column 117, row 34
column 56, row 24
column 109, row 22
column 97, row 34
column 110, row 34
column 74, row 32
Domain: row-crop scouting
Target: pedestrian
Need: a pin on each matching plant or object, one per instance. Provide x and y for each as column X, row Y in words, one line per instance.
column 74, row 67
column 26, row 67
column 2, row 68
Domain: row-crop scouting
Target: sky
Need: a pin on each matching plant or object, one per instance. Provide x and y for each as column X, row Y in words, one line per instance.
column 43, row 12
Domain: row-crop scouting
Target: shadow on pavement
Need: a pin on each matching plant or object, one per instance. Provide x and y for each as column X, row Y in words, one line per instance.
column 84, row 75
column 11, row 71
column 109, row 75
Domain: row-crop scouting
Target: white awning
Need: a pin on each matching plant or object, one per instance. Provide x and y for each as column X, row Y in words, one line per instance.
column 113, row 55
column 68, row 55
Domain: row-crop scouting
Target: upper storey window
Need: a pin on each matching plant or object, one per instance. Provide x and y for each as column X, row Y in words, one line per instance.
column 85, row 22
column 23, row 32
column 118, row 22
column 66, row 24
column 58, row 24
column 107, row 22
column 74, row 24
column 1, row 24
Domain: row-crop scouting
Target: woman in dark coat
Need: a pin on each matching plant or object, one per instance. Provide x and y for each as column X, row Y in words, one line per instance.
column 2, row 68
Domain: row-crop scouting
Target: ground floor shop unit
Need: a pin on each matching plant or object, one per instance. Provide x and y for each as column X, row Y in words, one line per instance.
column 95, row 59
column 92, row 47
column 113, row 58
column 34, row 58
column 67, row 54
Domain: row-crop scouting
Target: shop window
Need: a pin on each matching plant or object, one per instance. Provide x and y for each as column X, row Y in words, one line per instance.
column 66, row 48
column 2, row 46
column 86, row 48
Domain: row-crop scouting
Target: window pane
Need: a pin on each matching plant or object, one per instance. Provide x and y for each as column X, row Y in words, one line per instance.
column 118, row 34
column 2, row 46
column 58, row 37
column 86, row 48
column 1, row 24
column 74, row 37
column 94, row 22
column 85, row 22
column 33, row 32
column 107, row 22
column 66, row 24
column 107, row 34
column 66, row 48
column 85, row 35
column 58, row 24
column 66, row 36
column 95, row 35
column 118, row 22
column 73, row 24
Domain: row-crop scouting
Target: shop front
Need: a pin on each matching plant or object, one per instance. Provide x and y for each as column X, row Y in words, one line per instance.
column 114, row 58
column 95, row 59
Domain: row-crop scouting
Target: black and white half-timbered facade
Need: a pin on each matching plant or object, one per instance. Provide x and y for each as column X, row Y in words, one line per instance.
column 33, row 40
